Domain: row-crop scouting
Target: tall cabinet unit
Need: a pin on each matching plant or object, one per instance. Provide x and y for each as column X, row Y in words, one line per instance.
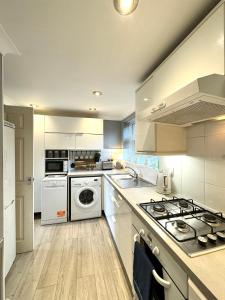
column 9, row 197
column 39, row 159
column 200, row 54
column 1, row 186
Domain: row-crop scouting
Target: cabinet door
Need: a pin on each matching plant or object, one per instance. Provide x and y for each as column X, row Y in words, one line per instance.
column 194, row 293
column 73, row 125
column 39, row 158
column 89, row 141
column 123, row 214
column 61, row 124
column 59, row 141
column 200, row 55
column 145, row 131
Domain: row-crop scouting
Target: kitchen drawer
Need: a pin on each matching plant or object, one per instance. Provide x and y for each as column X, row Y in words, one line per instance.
column 171, row 266
column 172, row 293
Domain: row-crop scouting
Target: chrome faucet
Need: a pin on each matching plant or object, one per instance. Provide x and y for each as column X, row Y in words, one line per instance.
column 135, row 173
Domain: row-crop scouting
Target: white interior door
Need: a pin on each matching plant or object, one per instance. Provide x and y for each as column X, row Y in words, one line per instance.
column 22, row 117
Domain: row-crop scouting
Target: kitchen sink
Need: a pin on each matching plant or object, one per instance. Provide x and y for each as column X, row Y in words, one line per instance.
column 126, row 181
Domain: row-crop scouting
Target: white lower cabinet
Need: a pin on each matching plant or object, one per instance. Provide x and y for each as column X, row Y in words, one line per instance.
column 59, row 141
column 89, row 141
column 193, row 292
column 119, row 218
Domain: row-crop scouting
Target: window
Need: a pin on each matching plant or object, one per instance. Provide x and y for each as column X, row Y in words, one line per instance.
column 129, row 153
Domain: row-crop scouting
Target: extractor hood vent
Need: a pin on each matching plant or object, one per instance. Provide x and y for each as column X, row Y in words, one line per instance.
column 201, row 100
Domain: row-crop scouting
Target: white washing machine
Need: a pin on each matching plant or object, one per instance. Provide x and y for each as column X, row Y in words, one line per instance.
column 86, row 197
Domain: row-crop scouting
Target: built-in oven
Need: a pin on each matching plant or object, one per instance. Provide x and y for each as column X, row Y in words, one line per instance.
column 56, row 166
column 170, row 280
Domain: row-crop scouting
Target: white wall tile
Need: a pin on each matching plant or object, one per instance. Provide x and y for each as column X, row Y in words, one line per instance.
column 193, row 178
column 215, row 197
column 196, row 130
column 174, row 163
column 215, row 172
column 196, row 146
column 215, row 146
column 214, row 128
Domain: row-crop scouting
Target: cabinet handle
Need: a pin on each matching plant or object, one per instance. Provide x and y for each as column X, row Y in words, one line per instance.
column 116, row 202
column 155, row 251
column 136, row 237
column 166, row 284
column 121, row 199
column 7, row 206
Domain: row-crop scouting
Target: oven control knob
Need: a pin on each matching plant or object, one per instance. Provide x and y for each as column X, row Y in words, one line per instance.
column 212, row 238
column 155, row 251
column 203, row 240
column 221, row 235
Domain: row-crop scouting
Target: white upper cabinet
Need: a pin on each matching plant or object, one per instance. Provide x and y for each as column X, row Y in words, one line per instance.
column 73, row 125
column 201, row 54
column 86, row 141
column 60, row 141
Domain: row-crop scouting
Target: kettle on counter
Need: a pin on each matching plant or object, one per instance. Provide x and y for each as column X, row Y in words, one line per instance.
column 164, row 183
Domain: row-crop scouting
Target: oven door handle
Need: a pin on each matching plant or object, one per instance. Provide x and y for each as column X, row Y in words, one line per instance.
column 166, row 284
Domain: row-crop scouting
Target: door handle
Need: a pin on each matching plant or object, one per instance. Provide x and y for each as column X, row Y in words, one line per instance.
column 166, row 284
column 30, row 180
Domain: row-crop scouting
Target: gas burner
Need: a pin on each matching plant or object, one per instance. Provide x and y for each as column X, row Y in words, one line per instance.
column 183, row 203
column 182, row 226
column 159, row 208
column 211, row 219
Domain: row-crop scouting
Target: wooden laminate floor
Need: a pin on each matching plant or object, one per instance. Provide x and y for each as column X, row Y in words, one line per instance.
column 70, row 261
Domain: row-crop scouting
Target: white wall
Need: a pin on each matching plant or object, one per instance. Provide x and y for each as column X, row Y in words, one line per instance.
column 201, row 173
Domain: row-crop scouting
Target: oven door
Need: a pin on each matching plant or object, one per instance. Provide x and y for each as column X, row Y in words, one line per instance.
column 54, row 166
column 164, row 287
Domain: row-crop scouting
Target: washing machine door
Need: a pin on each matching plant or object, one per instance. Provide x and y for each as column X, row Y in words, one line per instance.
column 86, row 197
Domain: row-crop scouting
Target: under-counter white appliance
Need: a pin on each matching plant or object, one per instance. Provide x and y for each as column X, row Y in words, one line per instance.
column 54, row 199
column 86, row 201
column 9, row 196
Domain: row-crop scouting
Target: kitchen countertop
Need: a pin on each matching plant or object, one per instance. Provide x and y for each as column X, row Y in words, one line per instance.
column 206, row 271
column 85, row 173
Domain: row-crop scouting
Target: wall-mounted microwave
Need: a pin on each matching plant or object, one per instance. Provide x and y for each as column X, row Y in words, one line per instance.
column 56, row 166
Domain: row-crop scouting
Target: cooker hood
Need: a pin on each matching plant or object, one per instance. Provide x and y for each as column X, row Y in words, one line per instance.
column 201, row 100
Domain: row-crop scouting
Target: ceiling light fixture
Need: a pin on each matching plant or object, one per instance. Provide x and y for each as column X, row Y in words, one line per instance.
column 125, row 7
column 146, row 99
column 97, row 93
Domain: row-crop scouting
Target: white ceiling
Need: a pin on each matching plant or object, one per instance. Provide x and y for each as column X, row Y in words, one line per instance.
column 72, row 47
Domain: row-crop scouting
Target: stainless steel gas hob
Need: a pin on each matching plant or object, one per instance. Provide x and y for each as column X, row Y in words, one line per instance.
column 195, row 229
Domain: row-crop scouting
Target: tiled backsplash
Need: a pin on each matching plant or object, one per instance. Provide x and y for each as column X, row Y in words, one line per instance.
column 201, row 173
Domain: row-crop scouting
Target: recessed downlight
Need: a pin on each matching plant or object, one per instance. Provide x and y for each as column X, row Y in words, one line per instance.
column 146, row 99
column 92, row 108
column 97, row 93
